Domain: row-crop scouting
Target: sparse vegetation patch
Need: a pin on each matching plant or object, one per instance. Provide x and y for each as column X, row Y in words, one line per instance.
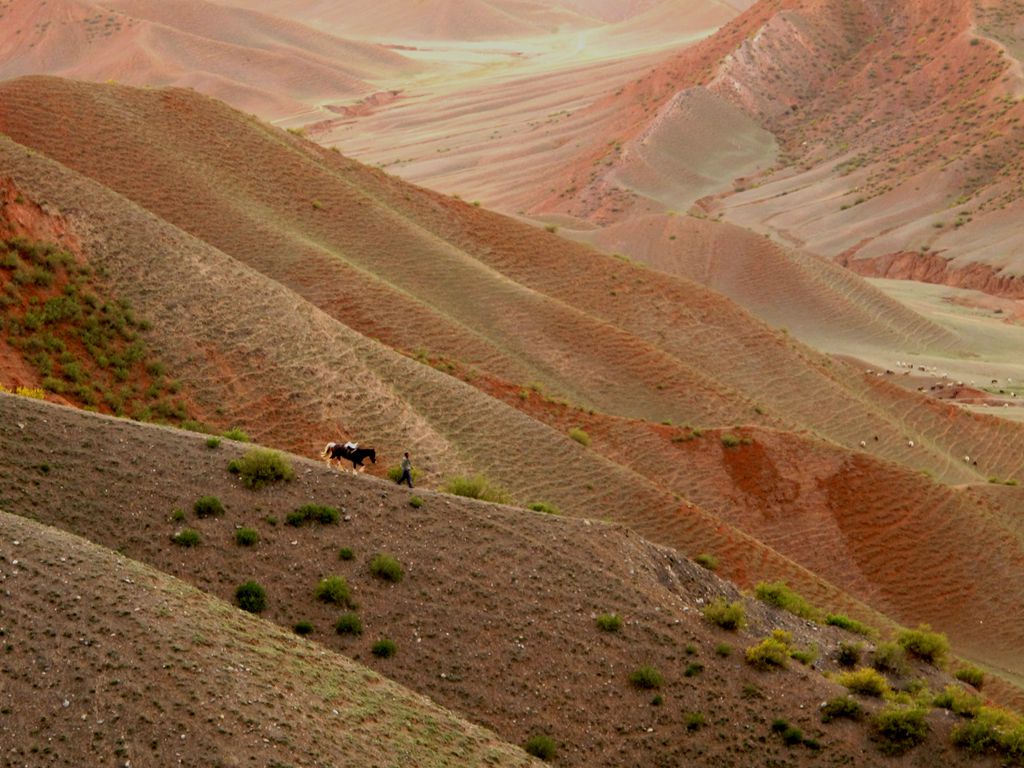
column 726, row 615
column 313, row 513
column 251, row 597
column 477, row 487
column 542, row 747
column 925, row 644
column 261, row 466
column 386, row 567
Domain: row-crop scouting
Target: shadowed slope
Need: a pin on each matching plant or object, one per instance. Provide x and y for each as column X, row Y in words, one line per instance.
column 494, row 616
column 126, row 661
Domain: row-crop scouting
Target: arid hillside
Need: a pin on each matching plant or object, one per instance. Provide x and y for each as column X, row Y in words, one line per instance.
column 492, row 611
column 110, row 662
column 303, row 297
column 255, row 62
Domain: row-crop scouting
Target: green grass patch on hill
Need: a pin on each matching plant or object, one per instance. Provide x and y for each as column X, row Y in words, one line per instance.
column 781, row 596
column 85, row 347
column 477, row 487
column 261, row 466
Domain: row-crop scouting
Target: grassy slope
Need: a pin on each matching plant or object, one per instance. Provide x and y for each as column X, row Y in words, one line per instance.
column 503, row 300
column 494, row 616
column 109, row 661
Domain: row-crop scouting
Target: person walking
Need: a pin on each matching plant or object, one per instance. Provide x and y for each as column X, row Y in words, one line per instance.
column 406, row 470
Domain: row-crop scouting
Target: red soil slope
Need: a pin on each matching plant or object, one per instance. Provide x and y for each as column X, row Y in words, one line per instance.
column 305, row 256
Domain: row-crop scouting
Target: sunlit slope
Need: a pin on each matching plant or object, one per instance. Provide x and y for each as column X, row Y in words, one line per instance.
column 256, row 62
column 428, row 274
column 128, row 662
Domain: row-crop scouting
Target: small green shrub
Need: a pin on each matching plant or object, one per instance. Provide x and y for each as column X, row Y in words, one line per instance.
column 346, row 553
column 580, row 436
column 386, row 567
column 781, row 596
column 926, row 645
column 694, row 721
column 477, row 487
column 891, row 658
column 730, row 441
column 260, row 467
column 841, row 706
column 849, row 655
column 726, row 615
column 724, row 650
column 178, row 515
column 850, row 625
column 707, row 560
column 693, row 669
column 313, row 513
column 772, row 652
column 647, row 678
column 212, row 442
column 898, row 729
column 971, row 676
column 349, row 624
column 865, row 681
column 805, row 656
column 958, row 701
column 609, row 622
column 247, row 537
column 543, row 506
column 208, row 506
column 384, row 649
column 991, row 731
column 334, row 589
column 542, row 747
column 303, row 628
column 251, row 597
column 415, row 502
column 236, row 434
column 187, row 537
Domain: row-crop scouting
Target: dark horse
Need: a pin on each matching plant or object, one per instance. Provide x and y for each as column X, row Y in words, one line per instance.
column 338, row 451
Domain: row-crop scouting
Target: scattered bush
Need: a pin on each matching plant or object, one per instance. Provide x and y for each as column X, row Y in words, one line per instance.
column 346, row 553
column 958, row 701
column 772, row 652
column 212, row 442
column 865, row 681
column 384, row 566
column 542, row 747
column 730, row 441
column 647, row 678
column 849, row 654
column 805, row 656
column 781, row 596
column 187, row 537
column 841, row 706
column 850, row 625
column 384, row 649
column 694, row 721
column 261, row 466
column 926, row 645
column 477, row 487
column 580, row 436
column 334, row 589
column 303, row 628
column 251, row 597
column 971, row 676
column 724, row 650
column 898, row 729
column 707, row 560
column 247, row 537
column 992, row 731
column 609, row 622
column 208, row 506
column 890, row 657
column 236, row 434
column 693, row 669
column 178, row 515
column 543, row 506
column 313, row 513
column 726, row 615
column 349, row 624
column 415, row 502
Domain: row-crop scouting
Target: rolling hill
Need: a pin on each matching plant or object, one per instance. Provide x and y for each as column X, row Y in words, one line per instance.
column 304, row 297
column 494, row 617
